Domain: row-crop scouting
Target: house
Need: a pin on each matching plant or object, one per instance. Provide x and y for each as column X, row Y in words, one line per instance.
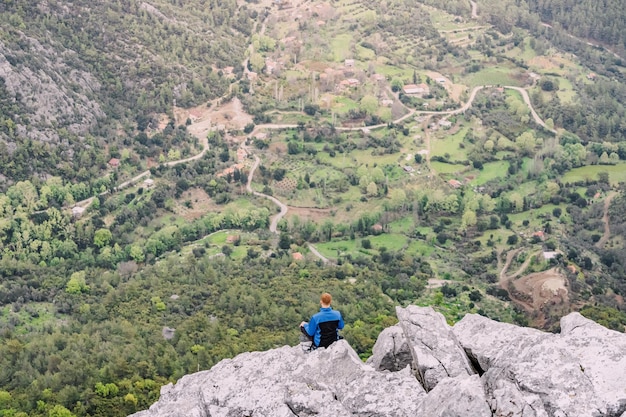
column 591, row 76
column 416, row 89
column 387, row 103
column 549, row 255
column 297, row 256
column 378, row 77
column 270, row 66
column 455, row 183
column 440, row 80
column 348, row 63
column 408, row 168
column 446, row 124
column 411, row 89
column 252, row 75
column 148, row 183
column 114, row 162
column 539, row 234
column 343, row 84
column 194, row 115
column 77, row 212
column 242, row 154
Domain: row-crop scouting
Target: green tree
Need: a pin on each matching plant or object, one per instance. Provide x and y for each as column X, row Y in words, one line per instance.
column 136, row 253
column 102, row 237
column 77, row 283
column 60, row 411
column 368, row 104
column 372, row 189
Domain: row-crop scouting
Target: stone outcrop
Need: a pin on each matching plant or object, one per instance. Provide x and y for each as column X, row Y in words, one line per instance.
column 436, row 353
column 288, row 382
column 391, row 351
column 578, row 372
column 420, row 367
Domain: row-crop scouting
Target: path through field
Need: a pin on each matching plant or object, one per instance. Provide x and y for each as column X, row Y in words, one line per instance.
column 605, row 219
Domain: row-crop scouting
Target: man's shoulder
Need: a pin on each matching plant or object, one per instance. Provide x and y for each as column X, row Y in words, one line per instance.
column 328, row 313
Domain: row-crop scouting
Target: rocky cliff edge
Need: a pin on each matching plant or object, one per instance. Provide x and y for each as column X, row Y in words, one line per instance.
column 420, row 367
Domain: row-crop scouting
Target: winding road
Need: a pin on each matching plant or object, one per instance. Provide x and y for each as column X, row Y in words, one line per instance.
column 283, row 207
column 202, row 137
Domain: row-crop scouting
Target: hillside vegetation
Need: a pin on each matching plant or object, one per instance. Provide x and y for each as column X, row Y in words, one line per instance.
column 179, row 180
column 93, row 73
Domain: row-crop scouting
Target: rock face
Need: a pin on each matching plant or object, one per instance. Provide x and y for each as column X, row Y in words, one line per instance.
column 288, row 382
column 420, row 367
column 391, row 351
column 579, row 372
column 436, row 353
column 53, row 93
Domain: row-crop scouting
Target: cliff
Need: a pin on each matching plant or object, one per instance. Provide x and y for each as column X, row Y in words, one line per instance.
column 420, row 367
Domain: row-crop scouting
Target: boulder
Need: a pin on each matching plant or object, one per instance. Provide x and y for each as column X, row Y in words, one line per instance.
column 581, row 371
column 461, row 396
column 289, row 382
column 391, row 352
column 436, row 352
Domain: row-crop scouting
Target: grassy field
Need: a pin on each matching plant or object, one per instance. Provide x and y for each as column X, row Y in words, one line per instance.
column 491, row 171
column 444, row 168
column 566, row 91
column 492, row 76
column 343, row 105
column 419, row 248
column 617, row 173
column 340, row 46
column 391, row 241
column 451, row 145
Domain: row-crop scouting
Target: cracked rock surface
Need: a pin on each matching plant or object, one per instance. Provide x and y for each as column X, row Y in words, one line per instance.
column 421, row 367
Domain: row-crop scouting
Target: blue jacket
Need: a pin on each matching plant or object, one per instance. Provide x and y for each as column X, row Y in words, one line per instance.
column 325, row 314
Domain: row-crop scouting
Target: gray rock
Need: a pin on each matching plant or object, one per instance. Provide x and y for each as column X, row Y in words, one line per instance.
column 436, row 352
column 461, row 396
column 525, row 373
column 289, row 382
column 579, row 372
column 391, row 352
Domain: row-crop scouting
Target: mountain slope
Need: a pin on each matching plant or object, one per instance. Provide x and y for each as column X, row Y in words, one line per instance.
column 96, row 67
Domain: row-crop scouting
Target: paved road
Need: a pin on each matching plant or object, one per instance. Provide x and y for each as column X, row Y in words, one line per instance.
column 526, row 98
column 315, row 252
column 283, row 207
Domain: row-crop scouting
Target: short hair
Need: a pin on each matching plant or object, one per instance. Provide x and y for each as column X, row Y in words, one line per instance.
column 326, row 298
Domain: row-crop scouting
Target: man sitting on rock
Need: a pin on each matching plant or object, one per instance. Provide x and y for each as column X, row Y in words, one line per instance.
column 323, row 327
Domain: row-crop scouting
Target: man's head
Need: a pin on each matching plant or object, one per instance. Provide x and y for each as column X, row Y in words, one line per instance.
column 326, row 299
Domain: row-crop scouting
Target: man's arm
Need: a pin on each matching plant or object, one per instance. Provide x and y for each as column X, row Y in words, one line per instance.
column 310, row 327
column 340, row 326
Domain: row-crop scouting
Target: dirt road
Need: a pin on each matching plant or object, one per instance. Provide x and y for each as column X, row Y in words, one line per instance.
column 605, row 219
